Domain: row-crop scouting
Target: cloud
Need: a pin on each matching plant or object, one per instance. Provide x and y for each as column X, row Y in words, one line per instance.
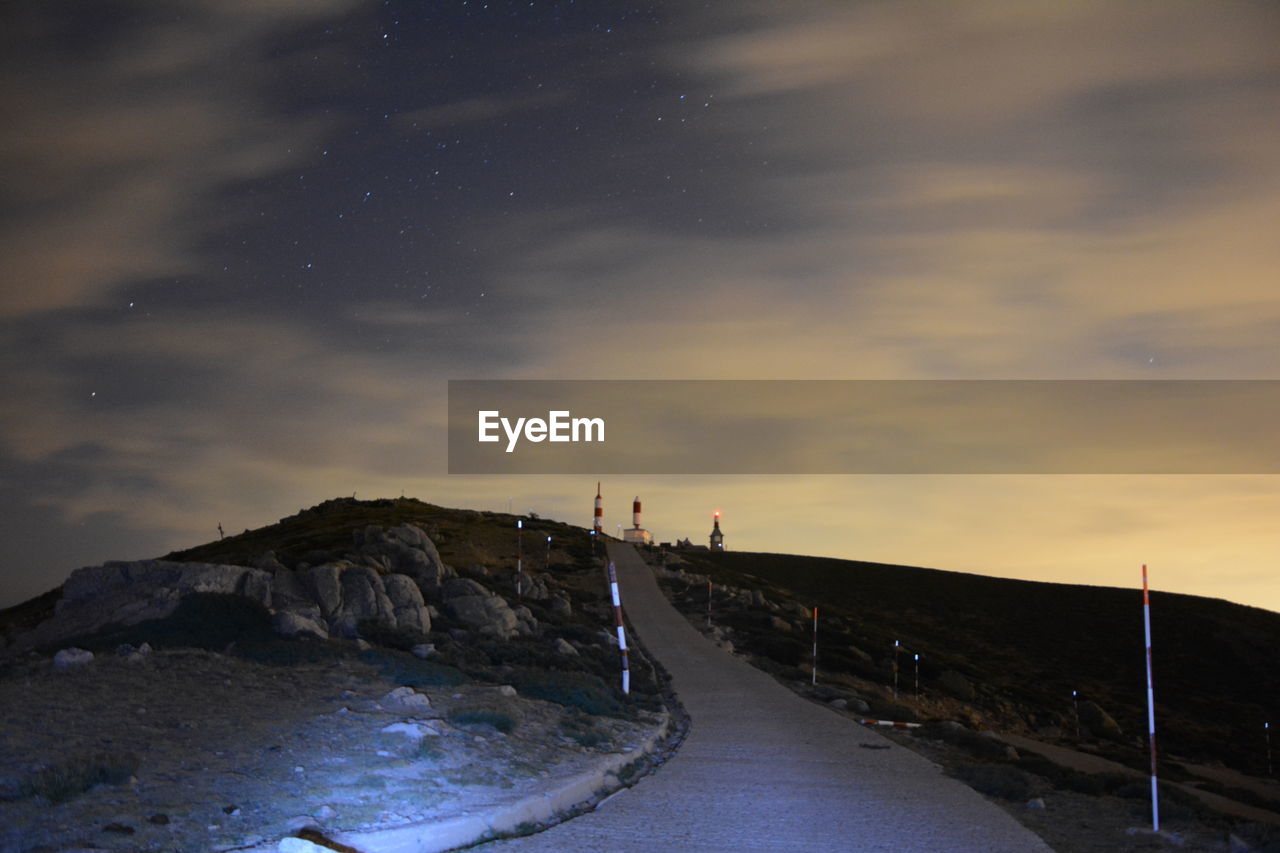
column 114, row 158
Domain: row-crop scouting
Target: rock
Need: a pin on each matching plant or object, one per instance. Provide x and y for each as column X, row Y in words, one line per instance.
column 325, row 585
column 565, row 647
column 290, row 591
column 487, row 614
column 72, row 657
column 405, row 699
column 780, row 624
column 288, row 623
column 413, row 731
column 363, row 597
column 422, row 651
column 524, row 585
column 506, row 690
column 839, row 704
column 407, row 605
column 293, row 844
column 126, row 593
column 1036, row 803
column 957, row 685
column 559, row 606
column 858, row 706
column 527, row 623
column 459, row 587
column 405, row 550
column 159, row 819
column 1099, row 722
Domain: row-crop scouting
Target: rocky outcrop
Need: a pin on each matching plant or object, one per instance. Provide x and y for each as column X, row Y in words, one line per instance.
column 127, row 593
column 405, row 550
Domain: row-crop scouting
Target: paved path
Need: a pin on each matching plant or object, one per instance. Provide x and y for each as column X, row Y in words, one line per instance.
column 763, row 769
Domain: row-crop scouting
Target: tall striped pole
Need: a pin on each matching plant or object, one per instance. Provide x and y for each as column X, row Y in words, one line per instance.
column 815, row 644
column 622, row 632
column 1151, row 705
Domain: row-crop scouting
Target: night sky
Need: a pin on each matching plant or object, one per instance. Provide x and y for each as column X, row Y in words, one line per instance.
column 246, row 244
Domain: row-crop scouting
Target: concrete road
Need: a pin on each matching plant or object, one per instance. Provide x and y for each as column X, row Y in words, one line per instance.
column 763, row 769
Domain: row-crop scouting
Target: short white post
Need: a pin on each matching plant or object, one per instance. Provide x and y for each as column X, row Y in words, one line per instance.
column 815, row 645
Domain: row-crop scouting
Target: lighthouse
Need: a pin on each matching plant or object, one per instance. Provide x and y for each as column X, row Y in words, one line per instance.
column 597, row 525
column 717, row 538
column 636, row 534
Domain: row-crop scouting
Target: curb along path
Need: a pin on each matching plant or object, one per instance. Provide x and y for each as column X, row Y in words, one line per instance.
column 763, row 769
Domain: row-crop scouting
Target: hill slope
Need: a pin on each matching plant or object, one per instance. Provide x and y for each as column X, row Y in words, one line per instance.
column 1025, row 646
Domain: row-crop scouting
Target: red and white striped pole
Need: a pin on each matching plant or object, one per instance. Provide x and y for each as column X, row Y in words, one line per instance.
column 597, row 523
column 815, row 644
column 622, row 632
column 1151, row 705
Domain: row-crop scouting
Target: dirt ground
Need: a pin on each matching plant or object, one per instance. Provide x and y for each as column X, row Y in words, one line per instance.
column 198, row 751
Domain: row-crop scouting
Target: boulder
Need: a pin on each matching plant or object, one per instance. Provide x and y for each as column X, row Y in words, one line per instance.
column 126, row 593
column 405, row 699
column 525, row 585
column 289, row 591
column 73, row 657
column 363, row 597
column 324, row 584
column 405, row 550
column 957, row 685
column 1099, row 722
column 564, row 647
column 458, row 587
column 406, row 603
column 288, row 623
column 559, row 606
column 487, row 614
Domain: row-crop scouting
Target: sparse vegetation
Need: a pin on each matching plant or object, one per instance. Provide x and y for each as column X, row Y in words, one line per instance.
column 491, row 716
column 69, row 779
column 996, row 780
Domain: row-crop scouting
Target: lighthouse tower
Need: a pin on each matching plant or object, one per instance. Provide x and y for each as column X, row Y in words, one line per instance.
column 637, row 533
column 717, row 538
column 597, row 525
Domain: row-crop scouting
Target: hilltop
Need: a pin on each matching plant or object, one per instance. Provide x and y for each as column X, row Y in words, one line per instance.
column 997, row 657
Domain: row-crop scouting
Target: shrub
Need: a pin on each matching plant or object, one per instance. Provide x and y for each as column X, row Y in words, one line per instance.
column 584, row 732
column 996, row 780
column 72, row 778
column 382, row 634
column 483, row 716
column 408, row 671
column 968, row 740
column 578, row 690
column 1082, row 783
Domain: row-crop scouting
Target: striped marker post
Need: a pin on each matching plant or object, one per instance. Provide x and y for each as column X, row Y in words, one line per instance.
column 815, row 645
column 1151, row 705
column 890, row 724
column 622, row 632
